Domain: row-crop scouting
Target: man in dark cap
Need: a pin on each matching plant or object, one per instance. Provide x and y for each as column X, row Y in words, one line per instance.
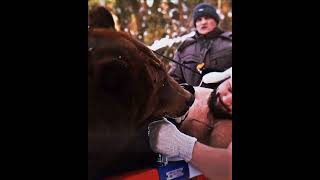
column 210, row 50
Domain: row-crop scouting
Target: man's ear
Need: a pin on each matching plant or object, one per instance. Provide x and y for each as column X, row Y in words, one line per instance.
column 113, row 77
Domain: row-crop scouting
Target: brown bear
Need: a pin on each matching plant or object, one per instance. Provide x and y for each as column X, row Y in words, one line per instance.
column 128, row 87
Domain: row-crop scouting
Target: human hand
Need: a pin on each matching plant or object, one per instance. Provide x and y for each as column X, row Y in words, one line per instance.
column 165, row 138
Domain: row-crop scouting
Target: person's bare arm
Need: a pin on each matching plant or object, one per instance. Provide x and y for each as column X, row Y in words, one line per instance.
column 214, row 163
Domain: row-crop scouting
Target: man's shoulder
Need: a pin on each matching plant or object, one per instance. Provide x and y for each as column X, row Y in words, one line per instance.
column 226, row 35
column 224, row 41
column 189, row 41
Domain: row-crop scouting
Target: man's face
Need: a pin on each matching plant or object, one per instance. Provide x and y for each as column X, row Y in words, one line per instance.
column 220, row 102
column 205, row 24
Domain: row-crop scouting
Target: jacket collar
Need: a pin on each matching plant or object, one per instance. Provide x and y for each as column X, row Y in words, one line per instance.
column 211, row 35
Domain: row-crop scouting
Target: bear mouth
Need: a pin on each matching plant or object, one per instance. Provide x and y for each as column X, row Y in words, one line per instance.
column 180, row 118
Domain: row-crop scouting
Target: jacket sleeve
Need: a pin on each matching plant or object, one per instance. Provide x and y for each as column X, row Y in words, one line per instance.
column 176, row 72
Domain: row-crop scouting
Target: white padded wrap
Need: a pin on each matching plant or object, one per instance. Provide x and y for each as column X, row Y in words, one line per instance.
column 166, row 139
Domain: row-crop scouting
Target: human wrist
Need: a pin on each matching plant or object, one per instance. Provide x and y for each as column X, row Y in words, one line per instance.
column 186, row 146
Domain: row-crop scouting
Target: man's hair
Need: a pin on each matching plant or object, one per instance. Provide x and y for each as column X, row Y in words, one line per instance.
column 100, row 17
column 216, row 110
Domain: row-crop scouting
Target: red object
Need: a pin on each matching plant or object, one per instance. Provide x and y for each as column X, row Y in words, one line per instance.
column 149, row 174
column 201, row 177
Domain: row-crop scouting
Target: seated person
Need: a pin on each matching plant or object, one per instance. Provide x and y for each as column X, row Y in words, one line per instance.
column 210, row 116
column 214, row 163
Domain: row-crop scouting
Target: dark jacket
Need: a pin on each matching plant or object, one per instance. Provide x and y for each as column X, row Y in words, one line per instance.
column 213, row 49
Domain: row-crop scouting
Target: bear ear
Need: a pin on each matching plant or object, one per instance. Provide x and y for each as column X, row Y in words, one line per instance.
column 113, row 77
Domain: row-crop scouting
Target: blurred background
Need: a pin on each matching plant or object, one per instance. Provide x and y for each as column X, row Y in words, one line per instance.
column 151, row 20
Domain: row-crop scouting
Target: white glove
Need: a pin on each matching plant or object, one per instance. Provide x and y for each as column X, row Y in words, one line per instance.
column 165, row 138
